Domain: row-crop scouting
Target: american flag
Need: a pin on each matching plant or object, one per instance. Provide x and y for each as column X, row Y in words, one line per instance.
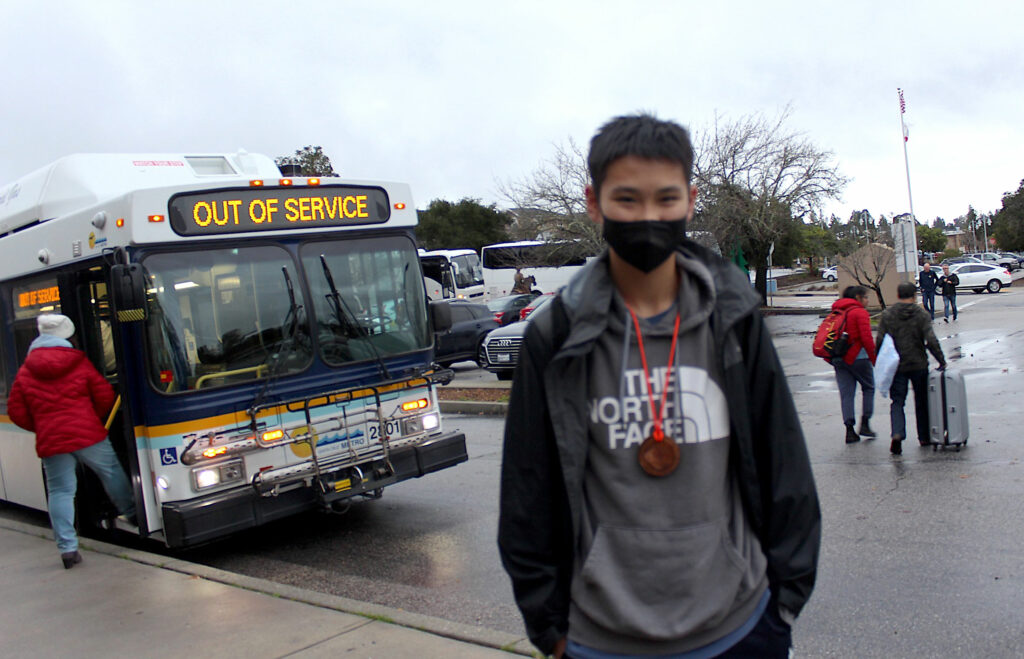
column 903, row 104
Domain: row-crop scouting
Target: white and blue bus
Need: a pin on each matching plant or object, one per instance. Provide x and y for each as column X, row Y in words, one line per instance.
column 551, row 264
column 452, row 274
column 268, row 337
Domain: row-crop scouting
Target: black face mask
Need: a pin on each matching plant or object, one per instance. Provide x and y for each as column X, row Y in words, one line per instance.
column 644, row 244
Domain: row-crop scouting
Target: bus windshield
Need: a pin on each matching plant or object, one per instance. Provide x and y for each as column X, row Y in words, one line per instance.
column 380, row 308
column 223, row 316
column 468, row 271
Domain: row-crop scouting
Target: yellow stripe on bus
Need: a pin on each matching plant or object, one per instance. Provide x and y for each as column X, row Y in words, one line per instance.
column 235, row 418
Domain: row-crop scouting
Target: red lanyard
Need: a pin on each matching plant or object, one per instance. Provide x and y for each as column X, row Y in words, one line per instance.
column 658, row 435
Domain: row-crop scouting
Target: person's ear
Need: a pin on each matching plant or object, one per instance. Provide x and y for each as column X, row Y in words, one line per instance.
column 693, row 203
column 593, row 209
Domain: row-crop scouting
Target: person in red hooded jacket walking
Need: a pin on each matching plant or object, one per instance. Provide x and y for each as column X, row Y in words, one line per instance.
column 857, row 366
column 61, row 397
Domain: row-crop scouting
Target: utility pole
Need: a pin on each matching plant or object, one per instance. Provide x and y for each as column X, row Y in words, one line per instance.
column 910, row 276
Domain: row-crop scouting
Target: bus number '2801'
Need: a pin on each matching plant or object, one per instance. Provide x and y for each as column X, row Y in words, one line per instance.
column 392, row 428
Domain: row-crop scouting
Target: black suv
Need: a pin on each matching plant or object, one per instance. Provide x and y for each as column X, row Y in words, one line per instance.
column 464, row 341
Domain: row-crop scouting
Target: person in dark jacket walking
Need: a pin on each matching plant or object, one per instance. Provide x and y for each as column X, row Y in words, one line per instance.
column 656, row 491
column 857, row 365
column 61, row 397
column 911, row 331
column 947, row 284
column 929, row 280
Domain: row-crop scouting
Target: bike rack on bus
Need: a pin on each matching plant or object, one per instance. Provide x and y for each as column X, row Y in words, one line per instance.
column 319, row 470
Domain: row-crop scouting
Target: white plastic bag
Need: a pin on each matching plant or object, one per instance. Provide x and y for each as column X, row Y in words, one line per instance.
column 886, row 364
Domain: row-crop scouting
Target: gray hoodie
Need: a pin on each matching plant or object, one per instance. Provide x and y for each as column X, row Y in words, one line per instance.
column 664, row 565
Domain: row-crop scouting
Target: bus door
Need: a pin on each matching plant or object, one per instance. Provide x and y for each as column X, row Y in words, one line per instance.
column 96, row 335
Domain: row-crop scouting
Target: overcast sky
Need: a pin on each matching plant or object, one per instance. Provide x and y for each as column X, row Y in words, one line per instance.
column 453, row 97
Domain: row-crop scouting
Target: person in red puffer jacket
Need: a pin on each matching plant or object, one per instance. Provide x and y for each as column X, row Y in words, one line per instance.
column 62, row 398
column 857, row 366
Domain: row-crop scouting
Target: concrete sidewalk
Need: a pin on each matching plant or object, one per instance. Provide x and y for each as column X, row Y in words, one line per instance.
column 124, row 602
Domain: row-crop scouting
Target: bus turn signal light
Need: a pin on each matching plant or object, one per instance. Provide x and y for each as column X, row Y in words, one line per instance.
column 156, row 218
column 272, row 435
column 414, row 405
column 215, row 451
column 399, row 206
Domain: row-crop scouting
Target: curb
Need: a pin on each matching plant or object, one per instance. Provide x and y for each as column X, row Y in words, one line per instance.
column 438, row 626
column 793, row 311
column 473, row 407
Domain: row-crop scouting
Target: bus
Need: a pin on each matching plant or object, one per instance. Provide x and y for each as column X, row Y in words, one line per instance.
column 551, row 264
column 268, row 337
column 452, row 273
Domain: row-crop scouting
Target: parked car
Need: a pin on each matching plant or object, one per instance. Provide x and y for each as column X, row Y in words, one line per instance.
column 534, row 304
column 506, row 309
column 830, row 274
column 959, row 259
column 982, row 276
column 501, row 347
column 464, row 341
column 1014, row 260
column 994, row 259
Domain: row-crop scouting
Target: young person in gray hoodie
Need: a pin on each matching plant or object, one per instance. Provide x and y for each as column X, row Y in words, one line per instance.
column 656, row 493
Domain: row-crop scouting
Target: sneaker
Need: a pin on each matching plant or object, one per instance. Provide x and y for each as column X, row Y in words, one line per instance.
column 70, row 559
column 945, row 320
column 865, row 430
column 896, row 447
column 851, row 436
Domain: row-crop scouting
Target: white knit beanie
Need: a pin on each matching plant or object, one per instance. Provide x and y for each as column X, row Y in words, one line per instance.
column 55, row 324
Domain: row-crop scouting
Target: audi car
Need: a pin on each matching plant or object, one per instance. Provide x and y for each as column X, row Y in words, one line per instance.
column 501, row 346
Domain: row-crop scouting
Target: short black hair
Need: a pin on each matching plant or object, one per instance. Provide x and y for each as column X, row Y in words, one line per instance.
column 906, row 291
column 642, row 135
column 854, row 292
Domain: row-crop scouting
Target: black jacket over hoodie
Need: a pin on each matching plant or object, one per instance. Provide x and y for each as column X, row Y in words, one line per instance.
column 546, row 445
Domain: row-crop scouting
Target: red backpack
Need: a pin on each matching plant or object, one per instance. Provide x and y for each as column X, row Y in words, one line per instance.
column 832, row 341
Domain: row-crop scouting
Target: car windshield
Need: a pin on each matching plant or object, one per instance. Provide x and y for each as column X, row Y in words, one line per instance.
column 503, row 303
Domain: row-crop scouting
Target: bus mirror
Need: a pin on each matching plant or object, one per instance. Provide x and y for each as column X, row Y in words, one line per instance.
column 128, row 292
column 440, row 316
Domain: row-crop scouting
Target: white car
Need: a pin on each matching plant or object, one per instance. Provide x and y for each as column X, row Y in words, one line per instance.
column 830, row 274
column 981, row 276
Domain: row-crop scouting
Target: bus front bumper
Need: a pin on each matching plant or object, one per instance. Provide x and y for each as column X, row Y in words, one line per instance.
column 220, row 514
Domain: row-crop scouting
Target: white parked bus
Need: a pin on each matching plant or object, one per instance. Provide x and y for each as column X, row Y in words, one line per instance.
column 551, row 264
column 268, row 336
column 452, row 273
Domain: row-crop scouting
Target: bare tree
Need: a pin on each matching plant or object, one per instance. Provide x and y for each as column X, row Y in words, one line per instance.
column 550, row 203
column 755, row 177
column 869, row 266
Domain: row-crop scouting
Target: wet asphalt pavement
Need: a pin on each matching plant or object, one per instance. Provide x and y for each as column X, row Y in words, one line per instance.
column 923, row 554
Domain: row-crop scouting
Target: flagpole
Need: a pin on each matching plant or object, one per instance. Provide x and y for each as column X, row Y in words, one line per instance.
column 910, row 197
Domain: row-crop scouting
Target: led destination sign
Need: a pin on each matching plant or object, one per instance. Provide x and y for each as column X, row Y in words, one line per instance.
column 273, row 209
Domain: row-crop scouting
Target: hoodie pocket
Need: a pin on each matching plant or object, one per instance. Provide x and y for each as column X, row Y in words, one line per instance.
column 661, row 584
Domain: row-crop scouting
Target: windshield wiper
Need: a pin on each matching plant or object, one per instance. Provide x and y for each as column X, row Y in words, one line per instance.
column 285, row 348
column 344, row 316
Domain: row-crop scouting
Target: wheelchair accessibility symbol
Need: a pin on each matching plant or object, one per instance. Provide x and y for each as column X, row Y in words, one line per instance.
column 169, row 456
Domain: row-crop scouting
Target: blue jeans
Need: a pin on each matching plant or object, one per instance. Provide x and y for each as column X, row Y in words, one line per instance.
column 847, row 377
column 62, row 482
column 947, row 302
column 898, row 394
column 928, row 299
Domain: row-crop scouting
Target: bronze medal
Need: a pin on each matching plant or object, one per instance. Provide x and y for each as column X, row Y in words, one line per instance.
column 659, row 454
column 658, row 458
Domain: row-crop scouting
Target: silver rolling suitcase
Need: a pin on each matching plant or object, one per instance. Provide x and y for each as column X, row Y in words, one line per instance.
column 947, row 409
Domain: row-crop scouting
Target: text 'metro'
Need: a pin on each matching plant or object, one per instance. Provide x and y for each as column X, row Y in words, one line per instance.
column 242, row 210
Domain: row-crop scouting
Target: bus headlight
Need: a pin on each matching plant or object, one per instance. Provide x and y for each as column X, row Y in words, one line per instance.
column 415, row 425
column 209, row 476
